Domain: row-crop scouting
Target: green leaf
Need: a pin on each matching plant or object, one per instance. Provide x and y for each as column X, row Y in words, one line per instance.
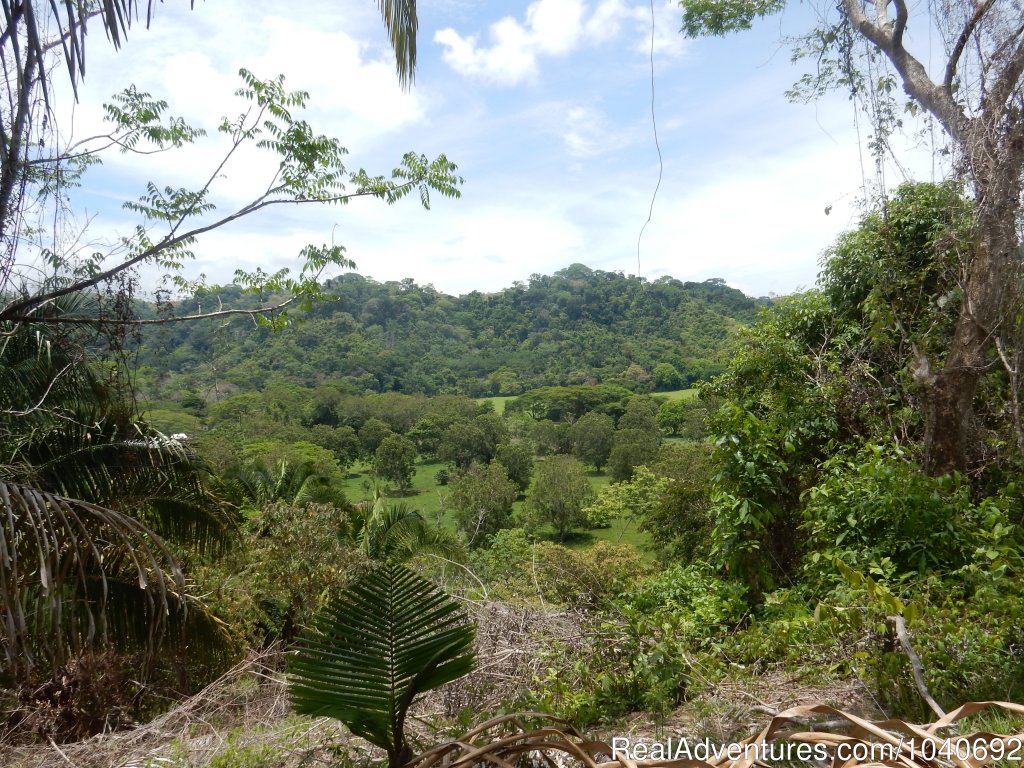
column 370, row 653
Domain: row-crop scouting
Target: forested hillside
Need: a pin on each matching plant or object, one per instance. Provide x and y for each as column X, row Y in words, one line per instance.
column 499, row 528
column 576, row 326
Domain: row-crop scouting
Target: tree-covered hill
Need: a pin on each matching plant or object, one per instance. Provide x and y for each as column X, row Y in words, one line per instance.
column 576, row 326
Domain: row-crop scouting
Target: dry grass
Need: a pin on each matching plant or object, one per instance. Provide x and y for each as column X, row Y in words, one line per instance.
column 510, row 640
column 247, row 711
column 247, row 706
column 504, row 742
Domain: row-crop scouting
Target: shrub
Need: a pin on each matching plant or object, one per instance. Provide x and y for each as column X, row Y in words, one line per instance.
column 879, row 507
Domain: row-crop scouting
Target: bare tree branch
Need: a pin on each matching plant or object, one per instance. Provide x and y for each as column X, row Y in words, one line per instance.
column 998, row 99
column 915, row 663
column 915, row 77
column 961, row 44
column 901, row 24
column 65, row 320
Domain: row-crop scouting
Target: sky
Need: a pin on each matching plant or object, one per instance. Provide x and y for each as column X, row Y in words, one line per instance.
column 546, row 108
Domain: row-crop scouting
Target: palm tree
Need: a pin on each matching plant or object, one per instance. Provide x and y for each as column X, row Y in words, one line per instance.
column 257, row 484
column 396, row 532
column 89, row 498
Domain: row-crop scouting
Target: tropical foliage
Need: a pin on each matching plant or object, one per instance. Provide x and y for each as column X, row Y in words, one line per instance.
column 392, row 637
column 578, row 326
column 86, row 493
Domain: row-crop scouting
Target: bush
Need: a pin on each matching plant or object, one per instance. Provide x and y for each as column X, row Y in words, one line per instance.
column 965, row 627
column 622, row 664
column 709, row 605
column 513, row 566
column 262, row 589
column 881, row 508
column 591, row 576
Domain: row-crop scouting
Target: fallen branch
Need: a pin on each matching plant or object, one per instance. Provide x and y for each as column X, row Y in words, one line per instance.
column 915, row 663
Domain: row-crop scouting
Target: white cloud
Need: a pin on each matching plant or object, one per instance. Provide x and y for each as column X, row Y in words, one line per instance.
column 668, row 40
column 354, row 93
column 554, row 28
column 555, row 25
column 606, row 20
column 509, row 60
column 585, row 133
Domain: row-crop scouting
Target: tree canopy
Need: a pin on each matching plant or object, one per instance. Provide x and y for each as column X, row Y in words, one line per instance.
column 975, row 94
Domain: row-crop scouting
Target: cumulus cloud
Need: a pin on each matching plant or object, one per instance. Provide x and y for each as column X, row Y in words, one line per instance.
column 555, row 28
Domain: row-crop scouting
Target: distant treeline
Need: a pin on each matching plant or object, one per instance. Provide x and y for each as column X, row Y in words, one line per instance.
column 578, row 326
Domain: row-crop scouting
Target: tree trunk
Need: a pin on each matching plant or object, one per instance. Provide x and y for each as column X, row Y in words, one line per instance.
column 991, row 269
column 948, row 413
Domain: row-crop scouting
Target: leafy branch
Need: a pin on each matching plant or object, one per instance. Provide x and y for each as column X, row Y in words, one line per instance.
column 310, row 169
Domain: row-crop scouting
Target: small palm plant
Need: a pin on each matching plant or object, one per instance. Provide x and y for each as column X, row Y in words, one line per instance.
column 393, row 636
column 396, row 532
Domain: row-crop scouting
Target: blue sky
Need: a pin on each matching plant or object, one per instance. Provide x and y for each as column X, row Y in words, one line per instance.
column 545, row 107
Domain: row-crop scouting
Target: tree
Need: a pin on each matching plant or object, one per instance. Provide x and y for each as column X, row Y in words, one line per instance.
column 666, row 377
column 975, row 96
column 343, row 442
column 633, row 499
column 671, row 415
column 518, row 463
column 482, row 497
column 641, row 414
column 395, row 460
column 683, row 418
column 632, row 448
column 591, row 438
column 463, row 443
column 426, row 434
column 636, row 378
column 560, row 493
column 372, row 434
column 680, row 525
column 548, row 437
column 824, row 376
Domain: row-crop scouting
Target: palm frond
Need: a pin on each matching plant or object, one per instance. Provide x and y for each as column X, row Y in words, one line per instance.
column 392, row 636
column 402, row 25
column 59, row 558
column 396, row 532
column 158, row 479
column 116, row 16
column 258, row 484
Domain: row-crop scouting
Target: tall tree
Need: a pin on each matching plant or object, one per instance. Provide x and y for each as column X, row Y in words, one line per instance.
column 482, row 497
column 395, row 460
column 975, row 94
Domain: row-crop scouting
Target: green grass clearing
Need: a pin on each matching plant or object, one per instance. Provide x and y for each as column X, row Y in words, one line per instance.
column 679, row 394
column 430, row 499
column 498, row 402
